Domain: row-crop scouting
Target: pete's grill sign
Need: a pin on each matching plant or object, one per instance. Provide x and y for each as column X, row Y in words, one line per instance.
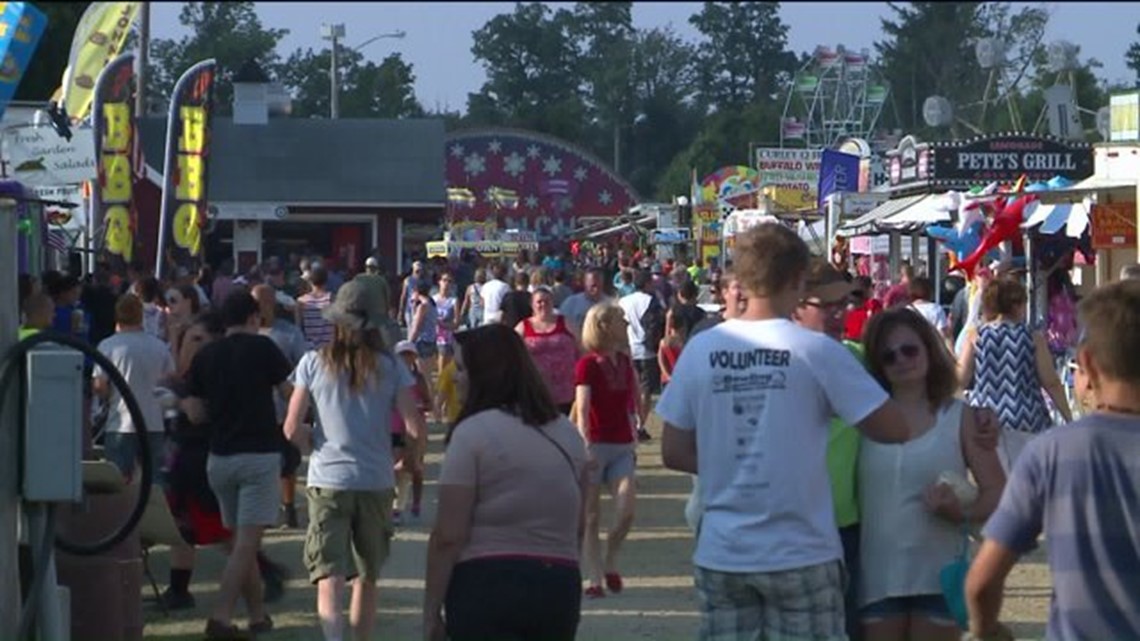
column 1007, row 158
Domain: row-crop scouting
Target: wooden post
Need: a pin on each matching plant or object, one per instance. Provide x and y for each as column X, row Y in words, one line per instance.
column 9, row 438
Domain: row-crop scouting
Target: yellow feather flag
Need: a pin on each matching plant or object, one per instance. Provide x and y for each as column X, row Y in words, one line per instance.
column 99, row 38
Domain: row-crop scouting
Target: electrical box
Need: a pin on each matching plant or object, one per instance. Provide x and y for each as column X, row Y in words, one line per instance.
column 53, row 426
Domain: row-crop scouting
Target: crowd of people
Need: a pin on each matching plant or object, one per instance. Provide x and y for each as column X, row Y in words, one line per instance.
column 845, row 447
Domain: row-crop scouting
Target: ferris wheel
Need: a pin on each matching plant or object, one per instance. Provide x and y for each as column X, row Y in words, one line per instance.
column 835, row 95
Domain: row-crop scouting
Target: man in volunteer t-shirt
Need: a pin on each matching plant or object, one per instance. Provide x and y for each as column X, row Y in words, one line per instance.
column 748, row 410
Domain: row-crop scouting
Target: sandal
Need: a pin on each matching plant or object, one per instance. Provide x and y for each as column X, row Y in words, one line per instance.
column 595, row 592
column 613, row 582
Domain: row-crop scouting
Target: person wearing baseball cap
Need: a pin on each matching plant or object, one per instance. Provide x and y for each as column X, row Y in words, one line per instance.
column 374, row 279
column 824, row 309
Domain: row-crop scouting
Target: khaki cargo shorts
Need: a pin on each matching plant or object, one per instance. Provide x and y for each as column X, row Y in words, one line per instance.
column 350, row 532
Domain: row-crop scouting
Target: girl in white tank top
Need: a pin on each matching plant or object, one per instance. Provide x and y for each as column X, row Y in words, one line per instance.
column 912, row 522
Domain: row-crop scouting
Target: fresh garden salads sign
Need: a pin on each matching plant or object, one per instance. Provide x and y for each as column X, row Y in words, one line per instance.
column 1006, row 158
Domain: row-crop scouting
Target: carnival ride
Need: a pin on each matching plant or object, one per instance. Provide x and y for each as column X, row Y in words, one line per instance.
column 1061, row 112
column 834, row 96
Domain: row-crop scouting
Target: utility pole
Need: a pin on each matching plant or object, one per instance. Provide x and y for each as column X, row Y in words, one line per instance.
column 141, row 60
column 617, row 147
column 9, row 439
column 333, row 33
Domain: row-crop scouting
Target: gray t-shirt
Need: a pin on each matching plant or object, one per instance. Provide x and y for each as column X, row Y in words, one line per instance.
column 292, row 342
column 143, row 360
column 1078, row 485
column 352, row 442
column 575, row 309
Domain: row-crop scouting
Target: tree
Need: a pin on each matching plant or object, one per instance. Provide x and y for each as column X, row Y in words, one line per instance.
column 533, row 77
column 665, row 88
column 1132, row 56
column 602, row 34
column 930, row 51
column 722, row 141
column 744, row 56
column 367, row 90
column 229, row 32
column 45, row 72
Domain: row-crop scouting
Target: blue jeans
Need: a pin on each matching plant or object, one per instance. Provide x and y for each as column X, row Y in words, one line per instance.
column 849, row 537
column 122, row 449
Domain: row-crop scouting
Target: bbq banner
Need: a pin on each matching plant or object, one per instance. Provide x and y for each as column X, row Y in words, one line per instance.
column 184, row 196
column 113, row 211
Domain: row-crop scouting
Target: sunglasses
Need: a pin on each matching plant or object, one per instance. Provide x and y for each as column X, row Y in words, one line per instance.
column 891, row 356
column 829, row 306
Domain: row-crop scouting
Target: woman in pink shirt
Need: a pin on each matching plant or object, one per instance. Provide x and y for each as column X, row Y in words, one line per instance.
column 552, row 347
column 503, row 556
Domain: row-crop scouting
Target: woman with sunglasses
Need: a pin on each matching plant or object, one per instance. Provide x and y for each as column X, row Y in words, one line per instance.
column 503, row 556
column 182, row 305
column 914, row 500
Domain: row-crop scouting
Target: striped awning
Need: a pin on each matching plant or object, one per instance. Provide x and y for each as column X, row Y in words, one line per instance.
column 1049, row 219
column 869, row 223
column 931, row 210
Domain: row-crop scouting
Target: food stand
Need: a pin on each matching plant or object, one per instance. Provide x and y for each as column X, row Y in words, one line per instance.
column 483, row 238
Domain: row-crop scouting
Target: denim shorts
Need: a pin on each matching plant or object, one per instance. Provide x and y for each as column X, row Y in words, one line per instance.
column 927, row 606
column 122, row 449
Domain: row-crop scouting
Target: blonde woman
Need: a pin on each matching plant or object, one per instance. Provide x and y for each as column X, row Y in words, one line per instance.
column 605, row 390
column 355, row 384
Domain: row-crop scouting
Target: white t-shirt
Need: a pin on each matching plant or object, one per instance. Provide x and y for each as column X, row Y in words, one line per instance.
column 143, row 360
column 933, row 313
column 760, row 396
column 634, row 305
column 492, row 294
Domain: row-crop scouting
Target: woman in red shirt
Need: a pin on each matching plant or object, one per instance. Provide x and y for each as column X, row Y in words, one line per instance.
column 605, row 390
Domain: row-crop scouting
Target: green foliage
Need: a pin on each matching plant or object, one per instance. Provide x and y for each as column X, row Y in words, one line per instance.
column 1132, row 56
column 533, row 72
column 45, row 72
column 586, row 75
column 930, row 51
column 724, row 140
column 744, row 56
column 367, row 90
column 230, row 32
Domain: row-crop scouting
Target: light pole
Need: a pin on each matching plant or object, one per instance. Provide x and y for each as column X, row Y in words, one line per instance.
column 335, row 33
column 640, row 118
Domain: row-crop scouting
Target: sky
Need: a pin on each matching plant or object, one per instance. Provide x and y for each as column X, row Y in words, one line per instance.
column 439, row 34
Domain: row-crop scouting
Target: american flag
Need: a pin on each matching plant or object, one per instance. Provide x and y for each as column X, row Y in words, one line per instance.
column 57, row 239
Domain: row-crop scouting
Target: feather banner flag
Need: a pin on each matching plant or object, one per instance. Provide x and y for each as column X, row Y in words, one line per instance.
column 99, row 37
column 184, row 195
column 113, row 208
